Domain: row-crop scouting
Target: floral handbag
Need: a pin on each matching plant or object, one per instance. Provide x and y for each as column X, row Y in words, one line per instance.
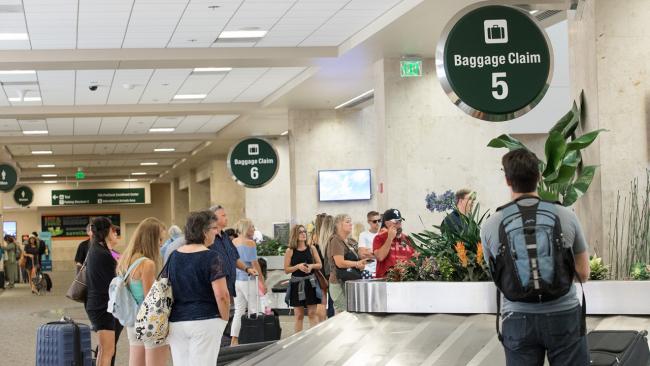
column 152, row 321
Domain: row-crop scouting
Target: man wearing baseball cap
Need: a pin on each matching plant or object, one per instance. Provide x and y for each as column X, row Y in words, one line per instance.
column 391, row 245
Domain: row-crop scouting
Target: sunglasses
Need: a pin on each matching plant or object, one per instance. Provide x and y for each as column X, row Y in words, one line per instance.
column 302, row 231
column 375, row 221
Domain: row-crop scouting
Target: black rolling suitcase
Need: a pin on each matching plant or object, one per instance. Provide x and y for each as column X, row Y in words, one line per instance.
column 63, row 343
column 2, row 278
column 618, row 347
column 259, row 327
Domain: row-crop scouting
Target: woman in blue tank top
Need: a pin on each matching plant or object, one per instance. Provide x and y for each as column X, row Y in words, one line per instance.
column 143, row 251
column 247, row 292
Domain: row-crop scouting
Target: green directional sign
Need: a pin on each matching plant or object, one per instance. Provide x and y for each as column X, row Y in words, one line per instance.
column 253, row 162
column 494, row 61
column 109, row 196
column 8, row 177
column 24, row 196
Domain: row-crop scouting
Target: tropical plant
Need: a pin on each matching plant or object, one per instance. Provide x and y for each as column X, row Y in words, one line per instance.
column 440, row 203
column 564, row 178
column 599, row 271
column 640, row 272
column 457, row 250
column 419, row 268
column 270, row 247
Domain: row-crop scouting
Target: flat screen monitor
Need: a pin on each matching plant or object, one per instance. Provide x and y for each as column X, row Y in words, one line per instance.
column 9, row 228
column 344, row 185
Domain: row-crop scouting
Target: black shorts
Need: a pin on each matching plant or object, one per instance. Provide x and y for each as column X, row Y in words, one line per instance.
column 102, row 320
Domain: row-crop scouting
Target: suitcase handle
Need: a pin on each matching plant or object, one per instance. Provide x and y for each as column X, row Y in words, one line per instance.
column 257, row 296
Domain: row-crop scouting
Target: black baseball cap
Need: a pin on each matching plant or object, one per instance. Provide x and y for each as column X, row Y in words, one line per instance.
column 392, row 214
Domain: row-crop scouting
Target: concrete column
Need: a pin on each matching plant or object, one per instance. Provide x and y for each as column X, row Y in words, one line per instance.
column 198, row 193
column 180, row 204
column 226, row 192
column 609, row 53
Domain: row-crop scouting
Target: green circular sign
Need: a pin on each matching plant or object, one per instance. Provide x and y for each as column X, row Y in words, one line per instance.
column 253, row 162
column 24, row 196
column 8, row 177
column 494, row 62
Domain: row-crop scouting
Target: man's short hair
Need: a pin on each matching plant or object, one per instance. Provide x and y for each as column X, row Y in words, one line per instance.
column 372, row 214
column 461, row 193
column 521, row 168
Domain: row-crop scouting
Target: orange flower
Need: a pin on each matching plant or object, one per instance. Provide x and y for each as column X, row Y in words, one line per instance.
column 479, row 253
column 462, row 253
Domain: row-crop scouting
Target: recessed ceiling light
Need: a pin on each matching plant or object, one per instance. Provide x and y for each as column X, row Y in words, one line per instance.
column 284, row 133
column 46, row 166
column 25, row 99
column 49, row 175
column 130, row 180
column 41, row 152
column 17, row 72
column 242, row 34
column 139, row 173
column 162, row 129
column 149, row 163
column 212, row 69
column 164, row 149
column 14, row 37
column 190, row 96
column 35, row 132
column 50, row 182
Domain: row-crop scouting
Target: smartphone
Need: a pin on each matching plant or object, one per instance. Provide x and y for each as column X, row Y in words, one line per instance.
column 370, row 260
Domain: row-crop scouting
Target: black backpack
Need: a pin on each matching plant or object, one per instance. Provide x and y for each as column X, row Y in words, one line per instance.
column 532, row 263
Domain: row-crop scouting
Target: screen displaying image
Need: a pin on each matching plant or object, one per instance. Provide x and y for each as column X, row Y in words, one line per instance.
column 344, row 185
column 9, row 228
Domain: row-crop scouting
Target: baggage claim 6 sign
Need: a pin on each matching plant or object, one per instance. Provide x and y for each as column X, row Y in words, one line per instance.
column 494, row 62
column 253, row 162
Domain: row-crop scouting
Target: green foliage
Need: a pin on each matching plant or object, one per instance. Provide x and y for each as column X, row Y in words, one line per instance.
column 564, row 178
column 599, row 271
column 270, row 247
column 418, row 269
column 640, row 272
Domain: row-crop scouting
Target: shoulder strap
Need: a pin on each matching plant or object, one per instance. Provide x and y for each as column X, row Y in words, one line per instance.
column 133, row 266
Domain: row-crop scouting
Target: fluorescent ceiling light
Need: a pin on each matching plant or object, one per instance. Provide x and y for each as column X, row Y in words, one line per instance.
column 162, row 129
column 149, row 163
column 50, row 182
column 139, row 173
column 190, row 96
column 17, row 72
column 35, row 132
column 41, row 152
column 243, row 34
column 25, row 99
column 284, row 133
column 14, row 37
column 46, row 166
column 363, row 95
column 130, row 180
column 164, row 149
column 212, row 69
column 49, row 175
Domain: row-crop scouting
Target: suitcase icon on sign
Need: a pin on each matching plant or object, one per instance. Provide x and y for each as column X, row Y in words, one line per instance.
column 496, row 31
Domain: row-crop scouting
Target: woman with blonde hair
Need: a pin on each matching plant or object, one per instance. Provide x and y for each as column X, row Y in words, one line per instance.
column 301, row 260
column 247, row 296
column 325, row 232
column 143, row 254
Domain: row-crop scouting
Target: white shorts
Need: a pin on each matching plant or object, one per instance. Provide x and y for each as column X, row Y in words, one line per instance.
column 134, row 341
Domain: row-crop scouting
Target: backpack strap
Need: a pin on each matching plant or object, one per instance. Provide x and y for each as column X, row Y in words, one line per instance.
column 529, row 218
column 132, row 267
column 499, row 335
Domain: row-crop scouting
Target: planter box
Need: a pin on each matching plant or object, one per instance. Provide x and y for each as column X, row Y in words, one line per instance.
column 376, row 296
column 274, row 262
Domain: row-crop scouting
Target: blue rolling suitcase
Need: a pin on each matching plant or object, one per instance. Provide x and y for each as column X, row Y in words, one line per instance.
column 63, row 343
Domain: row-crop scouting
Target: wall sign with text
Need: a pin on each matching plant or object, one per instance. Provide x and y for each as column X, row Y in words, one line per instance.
column 24, row 196
column 253, row 162
column 8, row 177
column 107, row 196
column 494, row 62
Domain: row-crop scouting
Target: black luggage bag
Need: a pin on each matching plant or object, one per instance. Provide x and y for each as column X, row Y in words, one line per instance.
column 2, row 278
column 63, row 343
column 618, row 347
column 259, row 327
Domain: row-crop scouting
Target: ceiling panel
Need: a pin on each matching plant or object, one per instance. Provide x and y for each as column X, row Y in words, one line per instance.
column 33, row 125
column 139, row 125
column 268, row 83
column 125, row 148
column 102, row 24
column 164, row 84
column 186, row 146
column 52, row 23
column 57, row 87
column 9, row 125
column 201, row 83
column 104, row 149
column 85, row 126
column 234, row 84
column 60, row 126
column 152, row 23
column 217, row 123
column 62, row 149
column 146, row 147
column 85, row 78
column 191, row 124
column 168, row 121
column 128, row 86
column 83, row 149
column 113, row 125
column 19, row 150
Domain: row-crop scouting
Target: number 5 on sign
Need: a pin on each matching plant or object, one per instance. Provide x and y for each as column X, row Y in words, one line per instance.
column 255, row 173
column 496, row 83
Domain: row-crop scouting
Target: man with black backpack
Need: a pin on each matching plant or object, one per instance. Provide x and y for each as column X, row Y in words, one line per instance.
column 535, row 250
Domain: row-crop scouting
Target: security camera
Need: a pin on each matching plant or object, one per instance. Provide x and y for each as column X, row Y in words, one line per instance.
column 93, row 87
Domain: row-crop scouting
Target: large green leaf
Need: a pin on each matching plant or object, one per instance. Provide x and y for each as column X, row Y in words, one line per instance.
column 567, row 170
column 568, row 123
column 580, row 186
column 584, row 140
column 554, row 149
column 506, row 141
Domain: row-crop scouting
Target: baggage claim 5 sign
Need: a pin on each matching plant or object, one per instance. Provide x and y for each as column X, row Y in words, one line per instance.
column 494, row 62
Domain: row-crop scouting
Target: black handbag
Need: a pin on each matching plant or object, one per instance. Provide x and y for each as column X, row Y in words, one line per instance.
column 348, row 274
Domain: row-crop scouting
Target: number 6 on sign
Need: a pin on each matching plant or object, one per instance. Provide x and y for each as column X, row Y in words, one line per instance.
column 499, row 83
column 255, row 173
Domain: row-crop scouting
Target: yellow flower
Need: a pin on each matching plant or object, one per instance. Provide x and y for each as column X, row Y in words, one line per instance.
column 479, row 253
column 462, row 253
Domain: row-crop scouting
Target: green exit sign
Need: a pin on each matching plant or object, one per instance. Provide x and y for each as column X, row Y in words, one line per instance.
column 410, row 68
column 80, row 175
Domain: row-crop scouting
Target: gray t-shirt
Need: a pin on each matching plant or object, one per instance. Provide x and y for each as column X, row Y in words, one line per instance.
column 573, row 236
